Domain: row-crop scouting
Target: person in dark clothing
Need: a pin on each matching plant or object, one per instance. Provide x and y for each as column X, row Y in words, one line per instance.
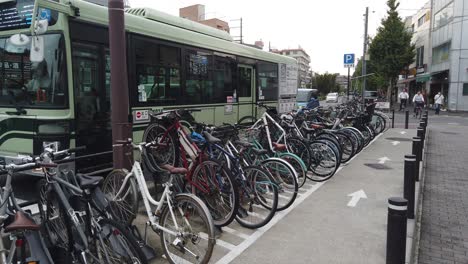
column 313, row 102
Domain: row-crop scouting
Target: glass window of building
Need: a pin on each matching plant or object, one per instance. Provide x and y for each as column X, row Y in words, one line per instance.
column 420, row 57
column 444, row 16
column 441, row 53
column 421, row 20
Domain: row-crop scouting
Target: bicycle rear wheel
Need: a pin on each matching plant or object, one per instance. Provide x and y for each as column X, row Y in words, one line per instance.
column 194, row 222
column 325, row 162
column 214, row 184
column 166, row 150
column 259, row 198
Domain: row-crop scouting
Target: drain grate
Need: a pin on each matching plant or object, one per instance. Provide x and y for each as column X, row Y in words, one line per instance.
column 449, row 133
column 398, row 139
column 378, row 166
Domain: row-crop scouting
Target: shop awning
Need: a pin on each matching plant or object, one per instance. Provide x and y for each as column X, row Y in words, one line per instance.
column 423, row 77
column 405, row 80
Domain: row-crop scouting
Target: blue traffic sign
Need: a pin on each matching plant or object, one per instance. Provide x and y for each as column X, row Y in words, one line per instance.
column 349, row 59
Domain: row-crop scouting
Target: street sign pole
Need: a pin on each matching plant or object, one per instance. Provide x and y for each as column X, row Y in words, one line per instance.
column 348, row 63
column 347, row 90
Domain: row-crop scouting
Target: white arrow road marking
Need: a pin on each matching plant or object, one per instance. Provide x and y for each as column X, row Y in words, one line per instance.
column 383, row 160
column 403, row 132
column 394, row 143
column 356, row 196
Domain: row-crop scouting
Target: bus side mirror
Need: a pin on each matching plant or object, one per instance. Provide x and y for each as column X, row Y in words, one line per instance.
column 37, row 49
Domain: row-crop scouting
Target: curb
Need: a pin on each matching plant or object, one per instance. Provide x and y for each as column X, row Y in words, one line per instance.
column 417, row 226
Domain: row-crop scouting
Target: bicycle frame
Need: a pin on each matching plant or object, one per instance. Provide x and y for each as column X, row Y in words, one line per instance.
column 263, row 121
column 36, row 244
column 137, row 173
column 187, row 148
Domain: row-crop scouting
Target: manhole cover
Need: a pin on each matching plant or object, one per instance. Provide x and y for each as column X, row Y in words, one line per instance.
column 378, row 166
column 398, row 139
column 449, row 133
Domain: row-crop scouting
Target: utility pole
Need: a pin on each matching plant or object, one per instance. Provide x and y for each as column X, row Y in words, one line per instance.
column 364, row 54
column 120, row 120
column 347, row 90
column 241, row 36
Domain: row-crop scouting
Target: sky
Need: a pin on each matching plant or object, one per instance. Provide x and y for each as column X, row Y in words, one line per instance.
column 325, row 29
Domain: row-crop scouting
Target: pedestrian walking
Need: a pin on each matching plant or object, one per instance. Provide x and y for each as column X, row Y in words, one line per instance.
column 403, row 99
column 438, row 101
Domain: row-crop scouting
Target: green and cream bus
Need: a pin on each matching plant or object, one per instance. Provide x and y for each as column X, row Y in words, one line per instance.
column 172, row 63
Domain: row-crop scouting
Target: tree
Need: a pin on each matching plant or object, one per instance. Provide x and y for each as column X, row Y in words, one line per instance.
column 374, row 82
column 325, row 83
column 391, row 49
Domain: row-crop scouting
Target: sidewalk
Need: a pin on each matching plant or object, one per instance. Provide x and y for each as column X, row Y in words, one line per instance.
column 444, row 223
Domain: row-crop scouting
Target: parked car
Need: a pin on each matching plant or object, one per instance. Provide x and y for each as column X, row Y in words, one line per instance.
column 303, row 96
column 332, row 97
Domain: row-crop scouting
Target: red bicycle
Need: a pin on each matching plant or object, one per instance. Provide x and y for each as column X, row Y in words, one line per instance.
column 207, row 178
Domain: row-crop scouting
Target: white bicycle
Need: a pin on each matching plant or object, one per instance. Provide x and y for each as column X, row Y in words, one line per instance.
column 182, row 220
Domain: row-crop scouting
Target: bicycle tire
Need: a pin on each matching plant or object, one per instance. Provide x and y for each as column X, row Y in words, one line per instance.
column 299, row 166
column 120, row 242
column 285, row 177
column 205, row 235
column 247, row 121
column 125, row 208
column 346, row 146
column 322, row 152
column 262, row 203
column 166, row 152
column 55, row 224
column 220, row 185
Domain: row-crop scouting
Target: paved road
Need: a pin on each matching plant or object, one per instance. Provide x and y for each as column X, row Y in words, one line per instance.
column 321, row 227
column 444, row 226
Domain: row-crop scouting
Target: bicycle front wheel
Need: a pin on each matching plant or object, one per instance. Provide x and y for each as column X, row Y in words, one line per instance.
column 259, row 198
column 285, row 177
column 114, row 244
column 124, row 206
column 193, row 237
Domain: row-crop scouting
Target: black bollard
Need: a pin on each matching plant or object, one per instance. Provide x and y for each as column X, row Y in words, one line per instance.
column 406, row 119
column 423, row 124
column 393, row 118
column 421, row 135
column 426, row 112
column 396, row 230
column 418, row 153
column 408, row 184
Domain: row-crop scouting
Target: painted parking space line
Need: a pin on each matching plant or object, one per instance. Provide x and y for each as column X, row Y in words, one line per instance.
column 312, row 187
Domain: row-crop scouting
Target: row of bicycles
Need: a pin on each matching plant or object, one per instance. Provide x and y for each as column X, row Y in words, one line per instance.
column 208, row 176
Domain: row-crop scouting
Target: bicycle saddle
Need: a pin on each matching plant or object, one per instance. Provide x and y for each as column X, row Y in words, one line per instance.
column 21, row 222
column 174, row 170
column 87, row 181
column 210, row 138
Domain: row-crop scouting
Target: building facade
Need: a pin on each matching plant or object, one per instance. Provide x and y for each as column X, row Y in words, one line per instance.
column 303, row 61
column 449, row 40
column 440, row 35
column 417, row 76
column 197, row 13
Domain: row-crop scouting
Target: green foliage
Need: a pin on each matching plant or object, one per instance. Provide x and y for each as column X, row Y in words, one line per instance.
column 373, row 82
column 391, row 49
column 326, row 83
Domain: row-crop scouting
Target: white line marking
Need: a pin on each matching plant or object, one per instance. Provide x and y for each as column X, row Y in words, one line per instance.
column 278, row 216
column 395, row 143
column 382, row 160
column 220, row 242
column 235, row 232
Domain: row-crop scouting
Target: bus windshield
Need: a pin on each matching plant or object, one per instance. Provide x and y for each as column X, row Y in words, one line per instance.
column 24, row 84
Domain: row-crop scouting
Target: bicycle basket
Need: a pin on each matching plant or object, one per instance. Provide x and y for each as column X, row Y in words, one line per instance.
column 248, row 135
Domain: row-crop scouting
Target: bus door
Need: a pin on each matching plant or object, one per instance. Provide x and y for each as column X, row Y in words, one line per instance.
column 245, row 90
column 91, row 73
